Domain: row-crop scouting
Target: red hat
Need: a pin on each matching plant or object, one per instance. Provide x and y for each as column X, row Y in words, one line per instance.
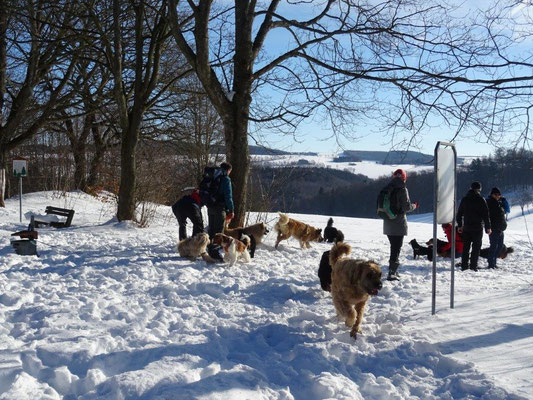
column 400, row 173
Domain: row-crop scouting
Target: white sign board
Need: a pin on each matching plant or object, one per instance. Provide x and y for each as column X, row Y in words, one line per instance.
column 446, row 184
column 20, row 168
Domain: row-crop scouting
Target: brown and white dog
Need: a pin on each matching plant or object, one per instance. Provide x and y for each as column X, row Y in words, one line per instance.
column 352, row 284
column 233, row 248
column 255, row 232
column 287, row 227
column 195, row 246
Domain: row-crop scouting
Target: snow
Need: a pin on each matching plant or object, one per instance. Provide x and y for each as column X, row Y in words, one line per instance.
column 110, row 311
column 370, row 169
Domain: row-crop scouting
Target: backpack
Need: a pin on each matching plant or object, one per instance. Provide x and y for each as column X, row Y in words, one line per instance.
column 387, row 203
column 210, row 185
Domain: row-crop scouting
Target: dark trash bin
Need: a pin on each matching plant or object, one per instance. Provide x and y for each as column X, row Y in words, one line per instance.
column 25, row 247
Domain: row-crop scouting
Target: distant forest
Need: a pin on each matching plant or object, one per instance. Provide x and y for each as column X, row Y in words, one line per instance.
column 328, row 191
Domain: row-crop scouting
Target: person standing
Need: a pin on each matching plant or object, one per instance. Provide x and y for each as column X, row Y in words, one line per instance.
column 222, row 209
column 472, row 216
column 189, row 207
column 498, row 225
column 396, row 228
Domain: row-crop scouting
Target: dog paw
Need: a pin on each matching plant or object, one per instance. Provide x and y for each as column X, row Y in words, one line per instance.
column 353, row 333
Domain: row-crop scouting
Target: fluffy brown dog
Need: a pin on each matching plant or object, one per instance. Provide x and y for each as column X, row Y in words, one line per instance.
column 352, row 284
column 233, row 248
column 258, row 231
column 287, row 227
column 195, row 246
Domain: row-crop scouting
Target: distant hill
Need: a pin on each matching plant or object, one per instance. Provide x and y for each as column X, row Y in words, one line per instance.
column 387, row 157
column 264, row 151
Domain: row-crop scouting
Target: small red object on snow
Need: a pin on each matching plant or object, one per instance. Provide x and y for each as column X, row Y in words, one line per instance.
column 27, row 234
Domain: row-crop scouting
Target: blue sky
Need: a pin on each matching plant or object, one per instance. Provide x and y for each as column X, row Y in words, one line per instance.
column 312, row 137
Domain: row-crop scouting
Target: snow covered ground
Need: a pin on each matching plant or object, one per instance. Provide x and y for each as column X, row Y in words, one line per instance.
column 371, row 169
column 110, row 311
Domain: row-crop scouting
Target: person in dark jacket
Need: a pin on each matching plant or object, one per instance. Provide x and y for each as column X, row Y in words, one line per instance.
column 498, row 225
column 223, row 209
column 189, row 207
column 396, row 228
column 472, row 216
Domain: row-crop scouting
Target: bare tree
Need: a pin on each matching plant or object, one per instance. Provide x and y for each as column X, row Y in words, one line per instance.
column 133, row 36
column 37, row 58
column 90, row 122
column 402, row 62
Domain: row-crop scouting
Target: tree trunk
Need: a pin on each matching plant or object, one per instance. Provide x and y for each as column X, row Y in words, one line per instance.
column 238, row 154
column 80, row 165
column 3, row 179
column 96, row 162
column 126, row 194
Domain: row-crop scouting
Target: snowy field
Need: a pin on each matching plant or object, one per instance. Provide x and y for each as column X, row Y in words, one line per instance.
column 110, row 311
column 371, row 169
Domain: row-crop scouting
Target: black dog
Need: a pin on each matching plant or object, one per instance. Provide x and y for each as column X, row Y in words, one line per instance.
column 503, row 253
column 324, row 272
column 331, row 234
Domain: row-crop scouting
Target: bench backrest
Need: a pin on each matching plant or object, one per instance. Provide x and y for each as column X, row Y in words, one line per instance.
column 64, row 212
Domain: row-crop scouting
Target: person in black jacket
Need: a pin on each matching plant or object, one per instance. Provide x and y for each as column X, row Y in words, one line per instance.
column 498, row 225
column 189, row 207
column 472, row 215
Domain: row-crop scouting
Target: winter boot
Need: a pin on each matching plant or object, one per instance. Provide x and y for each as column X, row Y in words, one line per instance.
column 393, row 272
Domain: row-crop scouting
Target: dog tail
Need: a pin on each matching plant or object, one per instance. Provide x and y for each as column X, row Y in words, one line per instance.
column 330, row 223
column 246, row 240
column 337, row 251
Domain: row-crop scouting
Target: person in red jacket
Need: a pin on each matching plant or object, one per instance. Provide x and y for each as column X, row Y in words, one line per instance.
column 444, row 249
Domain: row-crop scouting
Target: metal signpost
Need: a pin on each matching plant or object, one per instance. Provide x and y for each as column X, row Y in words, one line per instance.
column 444, row 208
column 20, row 169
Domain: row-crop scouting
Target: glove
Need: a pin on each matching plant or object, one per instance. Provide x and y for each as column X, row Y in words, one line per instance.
column 229, row 216
column 416, row 204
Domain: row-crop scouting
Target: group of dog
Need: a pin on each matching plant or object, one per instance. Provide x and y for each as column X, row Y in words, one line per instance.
column 350, row 281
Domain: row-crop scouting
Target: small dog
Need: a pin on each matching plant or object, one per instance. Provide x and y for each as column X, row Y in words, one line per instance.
column 503, row 253
column 352, row 284
column 332, row 234
column 287, row 227
column 238, row 233
column 324, row 272
column 195, row 246
column 233, row 248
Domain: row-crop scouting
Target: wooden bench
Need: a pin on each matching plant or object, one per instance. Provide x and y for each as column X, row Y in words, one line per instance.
column 63, row 212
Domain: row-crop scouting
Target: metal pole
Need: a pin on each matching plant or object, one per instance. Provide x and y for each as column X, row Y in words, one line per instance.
column 20, row 197
column 435, row 207
column 452, row 277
